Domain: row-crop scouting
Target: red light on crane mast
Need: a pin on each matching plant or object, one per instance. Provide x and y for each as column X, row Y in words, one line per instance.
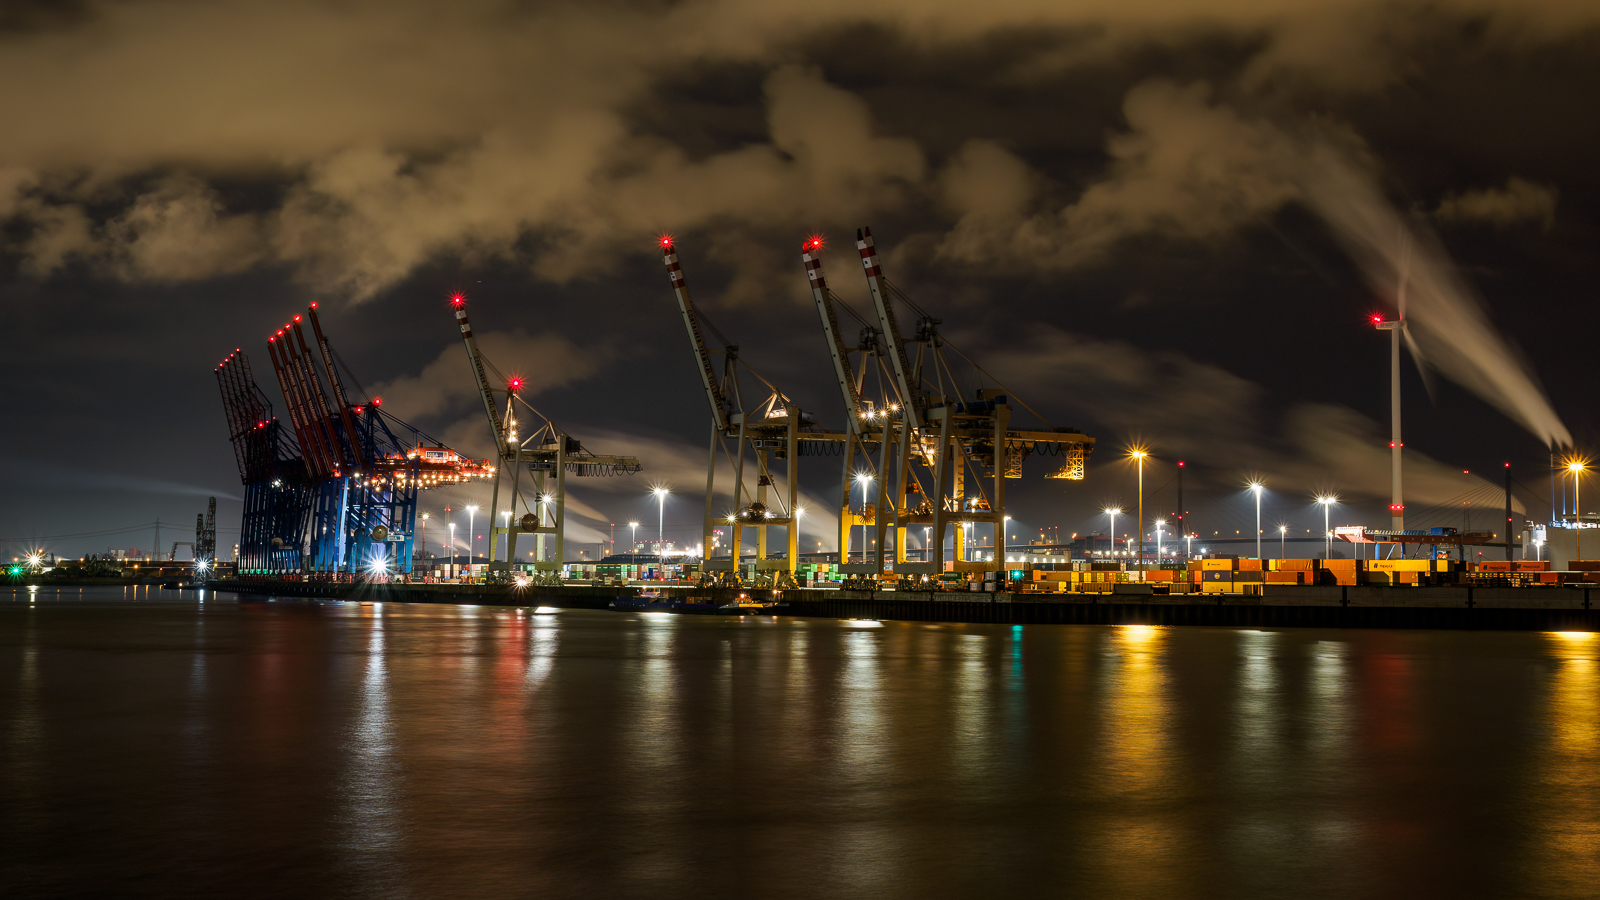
column 297, row 318
column 514, row 385
column 813, row 243
column 377, row 401
column 457, row 299
column 666, row 242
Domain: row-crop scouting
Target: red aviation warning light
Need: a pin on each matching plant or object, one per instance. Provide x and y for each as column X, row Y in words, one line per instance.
column 666, row 242
column 377, row 401
column 457, row 300
column 813, row 243
column 514, row 385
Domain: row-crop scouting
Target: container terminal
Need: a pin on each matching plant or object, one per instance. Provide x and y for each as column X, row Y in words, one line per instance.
column 331, row 493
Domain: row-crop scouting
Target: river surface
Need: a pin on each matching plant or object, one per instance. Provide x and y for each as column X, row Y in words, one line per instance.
column 180, row 744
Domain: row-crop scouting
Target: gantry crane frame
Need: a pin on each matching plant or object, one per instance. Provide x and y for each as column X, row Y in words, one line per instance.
column 777, row 427
column 549, row 454
column 930, row 423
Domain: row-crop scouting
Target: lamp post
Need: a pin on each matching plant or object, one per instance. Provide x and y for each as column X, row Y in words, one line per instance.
column 1005, row 537
column 423, row 541
column 1113, row 512
column 472, row 516
column 1283, row 542
column 661, row 519
column 1576, row 467
column 1188, row 545
column 505, row 524
column 863, row 479
column 1327, row 501
column 635, row 527
column 452, row 549
column 1255, row 488
column 1139, row 456
column 1160, row 524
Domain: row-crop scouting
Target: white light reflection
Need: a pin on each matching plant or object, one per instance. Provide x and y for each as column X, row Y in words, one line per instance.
column 371, row 826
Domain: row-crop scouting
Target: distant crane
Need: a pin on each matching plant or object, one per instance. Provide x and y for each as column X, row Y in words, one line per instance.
column 549, row 454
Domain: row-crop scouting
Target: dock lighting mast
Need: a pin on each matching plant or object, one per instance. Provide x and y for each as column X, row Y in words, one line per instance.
column 1576, row 467
column 1113, row 512
column 1255, row 488
column 660, row 493
column 1139, row 456
column 1395, row 327
column 1327, row 501
column 635, row 527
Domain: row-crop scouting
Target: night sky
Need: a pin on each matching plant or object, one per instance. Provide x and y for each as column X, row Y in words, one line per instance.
column 1158, row 222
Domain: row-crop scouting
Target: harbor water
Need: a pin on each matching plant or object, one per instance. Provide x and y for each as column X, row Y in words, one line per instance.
column 191, row 744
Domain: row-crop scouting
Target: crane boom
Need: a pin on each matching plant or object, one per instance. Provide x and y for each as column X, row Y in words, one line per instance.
column 324, row 415
column 811, row 256
column 486, row 392
column 338, row 388
column 691, row 323
column 886, row 323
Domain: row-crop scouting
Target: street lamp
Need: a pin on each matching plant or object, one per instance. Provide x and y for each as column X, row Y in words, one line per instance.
column 863, row 479
column 1139, row 456
column 661, row 518
column 1113, row 512
column 1160, row 524
column 423, row 542
column 452, row 549
column 635, row 527
column 505, row 524
column 1283, row 542
column 472, row 516
column 1188, row 545
column 1327, row 501
column 1256, row 488
column 1576, row 467
column 927, row 537
column 1005, row 535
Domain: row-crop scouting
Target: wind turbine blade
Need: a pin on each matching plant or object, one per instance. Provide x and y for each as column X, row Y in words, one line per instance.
column 1422, row 364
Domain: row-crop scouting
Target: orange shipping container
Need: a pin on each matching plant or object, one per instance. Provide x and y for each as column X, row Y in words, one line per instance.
column 1249, row 565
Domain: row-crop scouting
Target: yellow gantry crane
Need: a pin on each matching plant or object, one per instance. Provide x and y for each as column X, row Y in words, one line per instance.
column 776, row 430
column 548, row 453
column 931, row 436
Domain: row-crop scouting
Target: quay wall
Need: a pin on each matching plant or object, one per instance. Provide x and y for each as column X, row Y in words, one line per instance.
column 1507, row 609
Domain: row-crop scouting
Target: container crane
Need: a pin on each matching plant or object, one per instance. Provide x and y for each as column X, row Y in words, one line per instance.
column 776, row 430
column 935, row 427
column 548, row 453
column 870, row 423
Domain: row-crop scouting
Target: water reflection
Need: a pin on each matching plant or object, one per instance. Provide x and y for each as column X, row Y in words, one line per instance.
column 1138, row 837
column 1566, row 839
column 371, row 826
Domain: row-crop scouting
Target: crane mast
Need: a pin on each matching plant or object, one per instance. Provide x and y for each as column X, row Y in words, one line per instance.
column 890, row 330
column 811, row 257
column 496, row 427
column 691, row 323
